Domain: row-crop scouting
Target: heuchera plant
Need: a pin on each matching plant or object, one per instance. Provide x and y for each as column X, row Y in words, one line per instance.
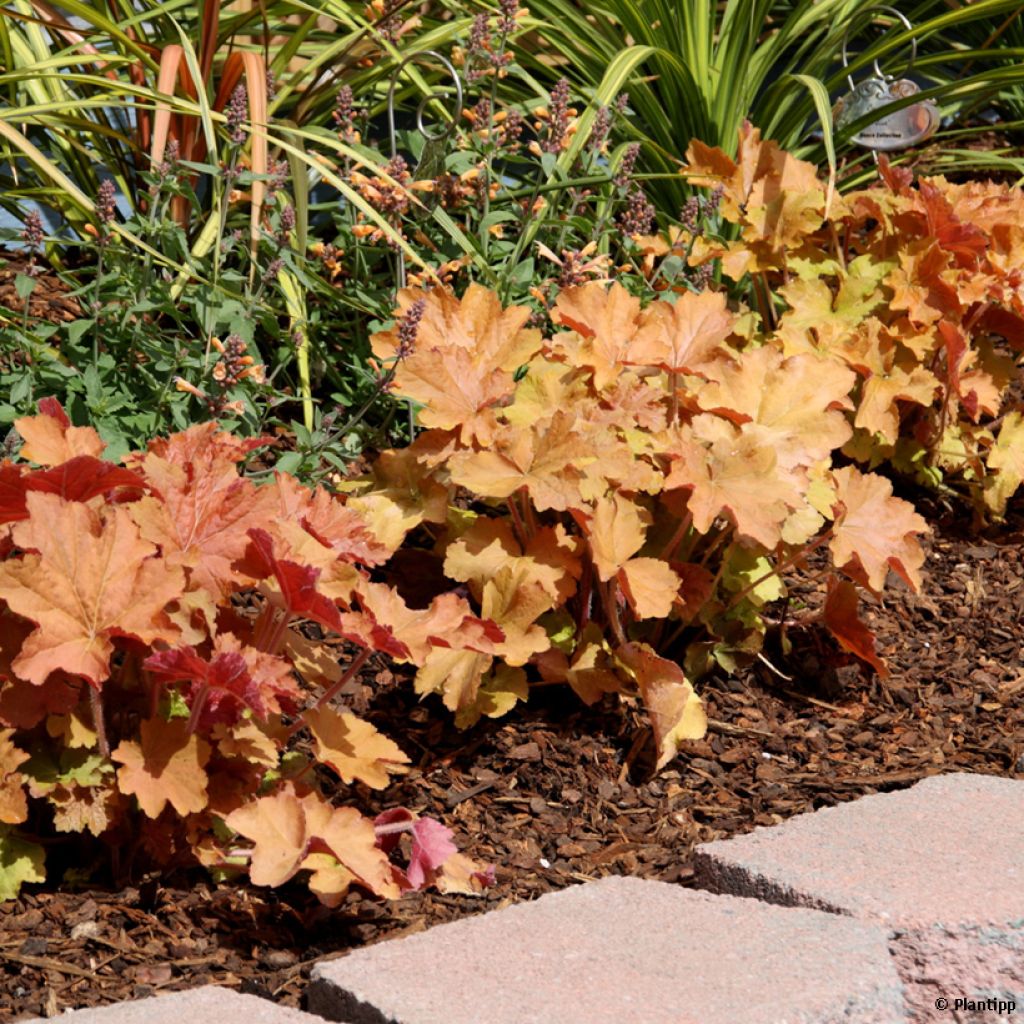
column 638, row 485
column 919, row 292
column 151, row 666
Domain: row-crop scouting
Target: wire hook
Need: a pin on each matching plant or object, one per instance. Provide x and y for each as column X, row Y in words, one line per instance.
column 879, row 73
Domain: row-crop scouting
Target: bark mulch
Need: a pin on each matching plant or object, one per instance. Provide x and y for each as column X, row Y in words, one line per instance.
column 558, row 794
column 49, row 300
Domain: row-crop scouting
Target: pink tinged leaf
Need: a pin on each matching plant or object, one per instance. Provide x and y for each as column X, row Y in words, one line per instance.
column 431, row 846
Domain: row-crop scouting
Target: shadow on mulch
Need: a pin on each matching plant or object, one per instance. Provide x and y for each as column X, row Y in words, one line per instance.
column 559, row 794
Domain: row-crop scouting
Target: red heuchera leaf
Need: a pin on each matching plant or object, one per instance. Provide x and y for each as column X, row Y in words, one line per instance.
column 225, row 676
column 956, row 350
column 12, row 494
column 82, row 478
column 50, row 439
column 297, row 582
column 431, row 846
column 844, row 624
column 85, row 580
column 24, row 707
column 49, row 406
column 965, row 241
column 899, row 179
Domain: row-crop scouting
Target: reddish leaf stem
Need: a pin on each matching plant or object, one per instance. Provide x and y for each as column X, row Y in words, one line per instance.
column 677, row 537
column 357, row 663
column 609, row 594
column 197, row 707
column 517, row 521
column 96, row 704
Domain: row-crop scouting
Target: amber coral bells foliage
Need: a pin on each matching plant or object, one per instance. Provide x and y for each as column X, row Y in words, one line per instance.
column 917, row 289
column 639, row 484
column 146, row 697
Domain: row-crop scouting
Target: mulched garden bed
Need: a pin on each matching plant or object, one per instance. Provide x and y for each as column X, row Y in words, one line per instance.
column 558, row 794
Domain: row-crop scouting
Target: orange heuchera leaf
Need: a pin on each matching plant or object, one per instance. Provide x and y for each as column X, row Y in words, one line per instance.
column 874, row 531
column 50, row 439
column 277, row 826
column 602, row 322
column 777, row 197
column 650, row 586
column 878, row 412
column 13, row 802
column 340, row 530
column 844, row 624
column 291, row 833
column 548, row 460
column 204, row 507
column 591, row 673
column 93, row 579
column 924, row 284
column 447, row 622
column 616, row 531
column 85, row 808
column 354, row 748
column 464, row 357
column 676, row 713
column 166, row 766
column 684, row 337
column 730, row 472
column 792, row 405
column 455, row 674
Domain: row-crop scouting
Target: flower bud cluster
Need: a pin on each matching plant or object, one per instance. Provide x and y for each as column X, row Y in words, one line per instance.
column 237, row 110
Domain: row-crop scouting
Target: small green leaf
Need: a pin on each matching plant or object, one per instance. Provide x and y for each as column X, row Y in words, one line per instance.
column 24, row 285
column 20, row 862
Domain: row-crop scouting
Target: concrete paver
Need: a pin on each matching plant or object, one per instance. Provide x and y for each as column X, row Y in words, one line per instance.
column 621, row 951
column 941, row 865
column 210, row 1004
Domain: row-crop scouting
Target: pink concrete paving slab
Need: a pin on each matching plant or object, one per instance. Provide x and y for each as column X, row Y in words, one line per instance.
column 210, row 1004
column 621, row 951
column 941, row 865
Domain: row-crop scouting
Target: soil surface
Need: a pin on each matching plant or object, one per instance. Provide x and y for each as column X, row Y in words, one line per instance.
column 558, row 794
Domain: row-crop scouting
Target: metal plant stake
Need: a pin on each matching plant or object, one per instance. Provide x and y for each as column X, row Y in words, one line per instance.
column 900, row 129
